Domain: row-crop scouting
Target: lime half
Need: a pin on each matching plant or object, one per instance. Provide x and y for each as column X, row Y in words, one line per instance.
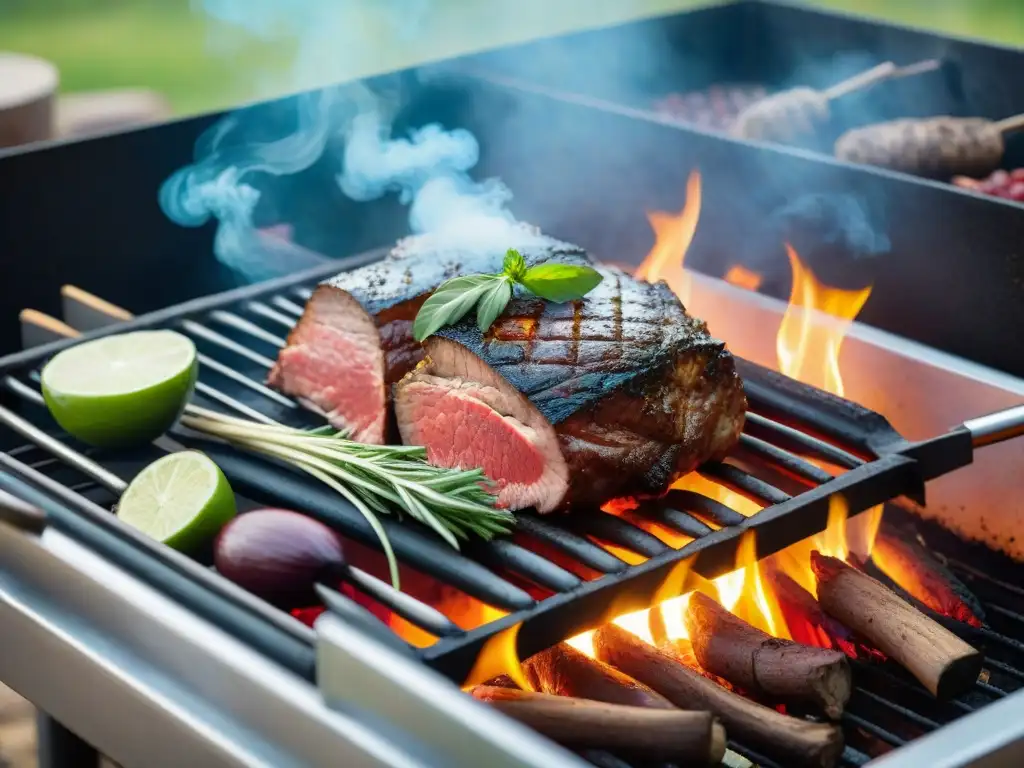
column 121, row 390
column 182, row 499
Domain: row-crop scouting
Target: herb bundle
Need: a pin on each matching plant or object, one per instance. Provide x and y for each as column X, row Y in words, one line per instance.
column 375, row 478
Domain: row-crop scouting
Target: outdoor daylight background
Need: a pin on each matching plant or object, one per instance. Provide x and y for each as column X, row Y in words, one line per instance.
column 166, row 46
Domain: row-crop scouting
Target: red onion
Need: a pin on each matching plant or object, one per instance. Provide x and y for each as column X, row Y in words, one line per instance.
column 278, row 555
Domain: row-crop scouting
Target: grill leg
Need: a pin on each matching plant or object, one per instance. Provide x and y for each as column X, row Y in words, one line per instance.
column 60, row 748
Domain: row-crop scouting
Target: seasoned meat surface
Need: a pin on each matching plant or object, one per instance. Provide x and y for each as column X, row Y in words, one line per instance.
column 354, row 338
column 634, row 390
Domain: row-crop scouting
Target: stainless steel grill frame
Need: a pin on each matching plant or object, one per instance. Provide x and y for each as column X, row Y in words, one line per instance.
column 247, row 325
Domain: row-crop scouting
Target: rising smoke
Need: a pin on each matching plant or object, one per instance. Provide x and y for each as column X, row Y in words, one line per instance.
column 428, row 170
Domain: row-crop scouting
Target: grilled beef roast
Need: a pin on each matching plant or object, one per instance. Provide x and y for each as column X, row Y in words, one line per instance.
column 355, row 337
column 574, row 404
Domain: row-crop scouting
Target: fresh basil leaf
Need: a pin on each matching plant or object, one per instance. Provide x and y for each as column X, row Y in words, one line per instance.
column 450, row 303
column 515, row 264
column 561, row 282
column 492, row 303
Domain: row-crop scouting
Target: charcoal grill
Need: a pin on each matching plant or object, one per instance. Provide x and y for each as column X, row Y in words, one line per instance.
column 238, row 333
column 583, row 161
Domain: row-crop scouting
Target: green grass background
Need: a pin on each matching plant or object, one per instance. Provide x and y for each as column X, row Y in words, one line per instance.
column 201, row 65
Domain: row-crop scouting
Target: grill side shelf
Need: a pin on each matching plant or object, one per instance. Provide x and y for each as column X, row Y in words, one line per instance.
column 293, row 649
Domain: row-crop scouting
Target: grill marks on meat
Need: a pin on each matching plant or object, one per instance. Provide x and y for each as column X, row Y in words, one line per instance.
column 633, row 391
column 354, row 338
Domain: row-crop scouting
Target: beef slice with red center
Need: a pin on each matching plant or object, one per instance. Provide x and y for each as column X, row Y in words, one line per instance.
column 570, row 405
column 354, row 339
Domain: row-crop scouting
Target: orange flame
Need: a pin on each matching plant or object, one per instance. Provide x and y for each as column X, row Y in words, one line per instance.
column 672, row 237
column 808, row 347
column 808, row 344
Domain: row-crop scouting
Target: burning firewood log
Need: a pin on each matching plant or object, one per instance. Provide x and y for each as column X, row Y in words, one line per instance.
column 901, row 557
column 501, row 681
column 563, row 671
column 941, row 661
column 763, row 665
column 810, row 625
column 694, row 738
column 816, row 745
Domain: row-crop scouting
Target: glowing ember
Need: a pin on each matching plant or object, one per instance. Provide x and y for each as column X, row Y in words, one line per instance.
column 900, row 557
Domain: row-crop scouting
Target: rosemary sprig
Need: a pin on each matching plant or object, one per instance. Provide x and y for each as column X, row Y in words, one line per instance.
column 376, row 479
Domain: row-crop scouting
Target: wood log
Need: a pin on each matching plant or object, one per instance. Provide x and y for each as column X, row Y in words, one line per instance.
column 28, row 88
column 815, row 745
column 943, row 663
column 655, row 734
column 809, row 624
column 901, row 557
column 598, row 757
column 563, row 671
column 502, row 681
column 766, row 666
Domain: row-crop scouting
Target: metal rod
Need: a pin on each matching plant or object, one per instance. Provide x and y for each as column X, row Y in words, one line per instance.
column 230, row 402
column 355, row 614
column 232, row 320
column 65, row 453
column 245, row 381
column 406, row 606
column 195, row 329
column 287, row 305
column 397, row 601
column 996, row 427
column 784, row 460
column 21, row 514
column 775, row 432
column 23, row 390
column 261, row 309
column 736, row 479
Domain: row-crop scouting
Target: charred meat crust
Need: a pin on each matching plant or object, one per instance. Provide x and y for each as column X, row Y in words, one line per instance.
column 567, row 357
column 370, row 311
column 638, row 392
column 415, row 268
column 392, row 290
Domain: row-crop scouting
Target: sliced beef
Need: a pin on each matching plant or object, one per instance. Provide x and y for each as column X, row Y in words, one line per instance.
column 355, row 337
column 574, row 404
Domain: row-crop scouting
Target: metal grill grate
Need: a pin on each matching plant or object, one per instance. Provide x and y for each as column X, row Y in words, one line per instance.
column 561, row 574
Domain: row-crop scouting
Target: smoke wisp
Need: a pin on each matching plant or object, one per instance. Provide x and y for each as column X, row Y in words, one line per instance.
column 232, row 177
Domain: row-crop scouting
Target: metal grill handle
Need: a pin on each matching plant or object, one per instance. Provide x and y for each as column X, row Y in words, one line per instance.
column 996, row 427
